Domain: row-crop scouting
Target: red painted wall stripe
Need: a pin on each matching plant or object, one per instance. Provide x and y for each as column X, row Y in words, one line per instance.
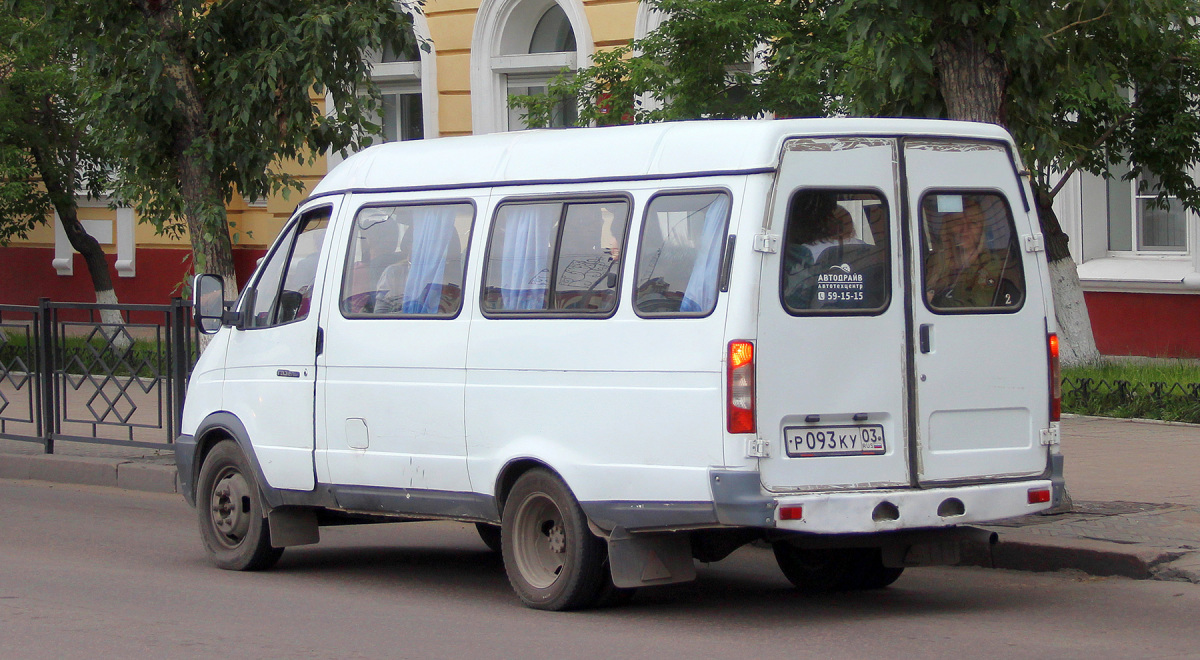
column 1148, row 324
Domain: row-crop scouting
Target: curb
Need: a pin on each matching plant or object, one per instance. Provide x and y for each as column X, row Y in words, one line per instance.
column 86, row 471
column 1036, row 553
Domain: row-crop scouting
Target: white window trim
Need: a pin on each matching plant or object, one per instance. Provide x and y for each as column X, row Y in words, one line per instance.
column 492, row 40
column 422, row 75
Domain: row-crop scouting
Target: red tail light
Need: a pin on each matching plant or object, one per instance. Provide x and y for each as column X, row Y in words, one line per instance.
column 1038, row 495
column 1055, row 379
column 740, row 390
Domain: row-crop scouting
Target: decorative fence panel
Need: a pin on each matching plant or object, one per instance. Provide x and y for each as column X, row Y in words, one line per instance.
column 67, row 376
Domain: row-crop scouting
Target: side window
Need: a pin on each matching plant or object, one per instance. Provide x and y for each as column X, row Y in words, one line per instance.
column 836, row 254
column 555, row 257
column 679, row 254
column 971, row 259
column 407, row 261
column 294, row 262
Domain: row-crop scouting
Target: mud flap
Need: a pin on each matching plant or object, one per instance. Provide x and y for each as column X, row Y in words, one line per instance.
column 293, row 526
column 642, row 560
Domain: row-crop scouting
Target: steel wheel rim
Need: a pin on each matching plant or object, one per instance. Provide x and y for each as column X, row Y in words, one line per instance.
column 230, row 507
column 540, row 543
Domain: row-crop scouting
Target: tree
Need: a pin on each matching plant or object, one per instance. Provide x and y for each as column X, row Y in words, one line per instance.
column 47, row 155
column 1083, row 85
column 202, row 100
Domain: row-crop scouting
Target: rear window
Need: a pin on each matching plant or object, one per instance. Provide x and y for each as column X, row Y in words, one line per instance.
column 836, row 255
column 971, row 260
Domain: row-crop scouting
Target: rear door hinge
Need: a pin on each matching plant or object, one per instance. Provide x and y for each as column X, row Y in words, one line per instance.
column 768, row 243
column 1050, row 436
column 1034, row 243
column 757, row 448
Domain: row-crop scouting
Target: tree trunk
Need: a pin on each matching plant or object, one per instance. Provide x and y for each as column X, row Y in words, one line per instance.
column 62, row 196
column 200, row 188
column 971, row 79
column 973, row 83
column 1077, row 345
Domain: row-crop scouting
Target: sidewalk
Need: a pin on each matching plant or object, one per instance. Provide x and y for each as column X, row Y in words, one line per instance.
column 1135, row 486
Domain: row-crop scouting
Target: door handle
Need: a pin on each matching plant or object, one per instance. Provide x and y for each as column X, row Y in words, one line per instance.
column 926, row 334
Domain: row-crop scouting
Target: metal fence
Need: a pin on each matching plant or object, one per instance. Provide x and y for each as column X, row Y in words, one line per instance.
column 1158, row 400
column 67, row 376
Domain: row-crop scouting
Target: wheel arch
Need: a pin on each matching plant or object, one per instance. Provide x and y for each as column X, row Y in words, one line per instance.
column 220, row 426
column 512, row 471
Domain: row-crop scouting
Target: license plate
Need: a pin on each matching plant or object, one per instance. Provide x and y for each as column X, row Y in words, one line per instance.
column 859, row 440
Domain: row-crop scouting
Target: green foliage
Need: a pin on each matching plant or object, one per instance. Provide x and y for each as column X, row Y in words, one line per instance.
column 1085, row 84
column 202, row 100
column 46, row 153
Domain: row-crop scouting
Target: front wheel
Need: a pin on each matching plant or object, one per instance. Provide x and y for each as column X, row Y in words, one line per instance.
column 553, row 560
column 232, row 523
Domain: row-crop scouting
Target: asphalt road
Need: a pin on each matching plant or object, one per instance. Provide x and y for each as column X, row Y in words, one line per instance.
column 104, row 573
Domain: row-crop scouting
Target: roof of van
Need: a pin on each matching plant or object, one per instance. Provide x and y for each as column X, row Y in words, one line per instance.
column 608, row 153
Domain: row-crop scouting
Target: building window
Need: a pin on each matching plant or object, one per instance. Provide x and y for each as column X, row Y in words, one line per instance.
column 517, row 48
column 1137, row 224
column 398, row 75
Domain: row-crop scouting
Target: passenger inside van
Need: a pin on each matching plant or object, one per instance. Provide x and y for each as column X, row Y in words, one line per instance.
column 826, row 264
column 962, row 270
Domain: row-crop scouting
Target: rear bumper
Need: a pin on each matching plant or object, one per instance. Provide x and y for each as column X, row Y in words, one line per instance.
column 872, row 511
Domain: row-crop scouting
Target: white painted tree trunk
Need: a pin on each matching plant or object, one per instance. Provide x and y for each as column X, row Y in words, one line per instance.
column 1077, row 346
column 121, row 341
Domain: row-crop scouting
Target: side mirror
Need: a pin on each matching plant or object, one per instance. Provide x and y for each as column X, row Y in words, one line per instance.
column 208, row 302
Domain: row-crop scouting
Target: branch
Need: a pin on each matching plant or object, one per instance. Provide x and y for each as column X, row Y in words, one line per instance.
column 1095, row 145
column 1078, row 23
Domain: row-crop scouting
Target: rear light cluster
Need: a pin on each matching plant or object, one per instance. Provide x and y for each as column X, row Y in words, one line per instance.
column 1055, row 379
column 740, row 390
column 1039, row 495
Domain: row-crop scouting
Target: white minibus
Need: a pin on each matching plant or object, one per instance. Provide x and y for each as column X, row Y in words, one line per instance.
column 621, row 350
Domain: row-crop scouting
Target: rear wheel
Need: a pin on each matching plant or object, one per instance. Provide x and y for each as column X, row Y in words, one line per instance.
column 233, row 525
column 553, row 560
column 824, row 570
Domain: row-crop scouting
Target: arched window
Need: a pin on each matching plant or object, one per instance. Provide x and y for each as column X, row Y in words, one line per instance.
column 518, row 46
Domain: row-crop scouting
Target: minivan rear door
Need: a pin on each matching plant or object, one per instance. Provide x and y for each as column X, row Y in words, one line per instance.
column 980, row 355
column 830, row 356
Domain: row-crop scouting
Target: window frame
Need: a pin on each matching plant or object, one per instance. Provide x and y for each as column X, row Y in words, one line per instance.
column 347, row 266
column 564, row 201
column 723, row 258
column 249, row 295
column 1014, row 242
column 872, row 311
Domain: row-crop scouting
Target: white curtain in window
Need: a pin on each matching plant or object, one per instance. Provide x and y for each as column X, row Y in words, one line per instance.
column 524, row 271
column 701, row 291
column 433, row 226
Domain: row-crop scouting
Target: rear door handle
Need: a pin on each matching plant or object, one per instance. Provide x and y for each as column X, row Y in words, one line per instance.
column 926, row 333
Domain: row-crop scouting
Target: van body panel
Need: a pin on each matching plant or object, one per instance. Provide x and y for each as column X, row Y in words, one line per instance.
column 391, row 389
column 816, row 372
column 271, row 373
column 981, row 385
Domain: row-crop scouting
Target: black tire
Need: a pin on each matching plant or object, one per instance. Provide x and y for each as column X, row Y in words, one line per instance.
column 868, row 572
column 826, row 570
column 490, row 535
column 552, row 559
column 233, row 525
